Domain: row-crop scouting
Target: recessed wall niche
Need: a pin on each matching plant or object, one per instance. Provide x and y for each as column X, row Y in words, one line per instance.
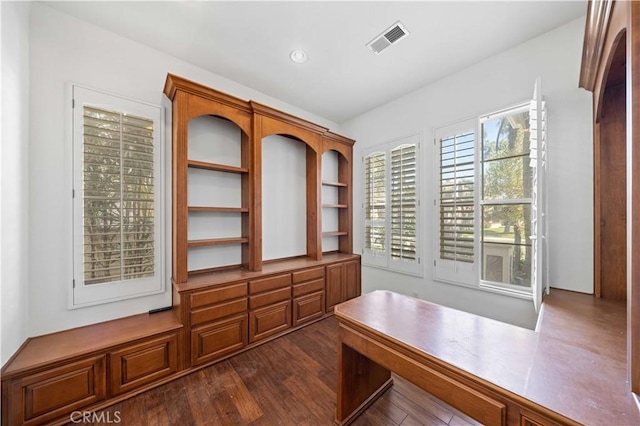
column 284, row 192
column 214, row 196
column 330, row 198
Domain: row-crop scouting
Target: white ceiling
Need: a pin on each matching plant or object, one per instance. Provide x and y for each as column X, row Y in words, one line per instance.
column 250, row 42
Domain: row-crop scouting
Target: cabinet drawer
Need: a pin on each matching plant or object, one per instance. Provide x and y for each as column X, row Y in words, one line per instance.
column 308, row 287
column 309, row 274
column 213, row 341
column 143, row 363
column 308, row 307
column 279, row 281
column 268, row 321
column 203, row 298
column 270, row 298
column 40, row 397
column 202, row 315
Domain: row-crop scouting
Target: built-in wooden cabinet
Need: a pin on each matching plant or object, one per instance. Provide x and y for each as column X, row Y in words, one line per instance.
column 270, row 306
column 142, row 363
column 308, row 295
column 39, row 397
column 343, row 282
column 217, row 339
column 217, row 321
column 231, row 310
column 230, row 305
column 74, row 370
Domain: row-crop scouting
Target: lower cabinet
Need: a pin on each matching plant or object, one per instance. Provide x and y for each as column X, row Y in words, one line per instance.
column 270, row 306
column 343, row 282
column 44, row 396
column 267, row 321
column 143, row 363
column 308, row 307
column 212, row 341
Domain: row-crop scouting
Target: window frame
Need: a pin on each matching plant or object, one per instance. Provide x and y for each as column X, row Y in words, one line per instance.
column 384, row 260
column 80, row 294
column 453, row 274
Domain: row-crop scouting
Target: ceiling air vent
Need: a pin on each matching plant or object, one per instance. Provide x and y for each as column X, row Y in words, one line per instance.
column 388, row 37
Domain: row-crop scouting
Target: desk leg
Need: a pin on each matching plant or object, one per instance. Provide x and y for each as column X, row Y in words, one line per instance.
column 360, row 382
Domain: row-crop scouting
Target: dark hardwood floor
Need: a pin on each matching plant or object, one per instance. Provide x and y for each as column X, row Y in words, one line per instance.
column 288, row 381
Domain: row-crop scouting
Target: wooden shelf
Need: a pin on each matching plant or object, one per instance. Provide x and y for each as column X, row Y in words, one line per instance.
column 218, row 209
column 340, row 184
column 216, row 167
column 217, row 242
column 336, row 206
column 334, row 234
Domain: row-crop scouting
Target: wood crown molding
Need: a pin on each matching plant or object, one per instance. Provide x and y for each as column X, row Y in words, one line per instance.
column 174, row 83
column 338, row 138
column 286, row 118
column 595, row 32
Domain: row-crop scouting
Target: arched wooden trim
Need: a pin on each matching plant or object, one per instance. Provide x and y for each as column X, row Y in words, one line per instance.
column 598, row 17
column 618, row 22
column 270, row 126
column 609, row 56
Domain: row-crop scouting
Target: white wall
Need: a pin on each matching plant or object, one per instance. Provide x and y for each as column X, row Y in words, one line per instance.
column 284, row 197
column 498, row 82
column 14, row 179
column 65, row 49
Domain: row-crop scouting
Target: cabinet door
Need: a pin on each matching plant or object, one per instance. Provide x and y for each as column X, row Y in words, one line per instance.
column 267, row 321
column 307, row 308
column 351, row 279
column 334, row 285
column 218, row 339
column 44, row 396
column 137, row 365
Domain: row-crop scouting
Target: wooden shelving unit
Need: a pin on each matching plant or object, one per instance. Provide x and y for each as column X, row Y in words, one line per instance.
column 233, row 305
column 343, row 200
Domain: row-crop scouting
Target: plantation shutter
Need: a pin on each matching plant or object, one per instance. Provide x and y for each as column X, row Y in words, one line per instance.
column 403, row 203
column 375, row 202
column 538, row 161
column 457, row 197
column 117, row 196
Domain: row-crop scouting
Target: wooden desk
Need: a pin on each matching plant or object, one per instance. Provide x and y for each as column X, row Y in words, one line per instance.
column 494, row 372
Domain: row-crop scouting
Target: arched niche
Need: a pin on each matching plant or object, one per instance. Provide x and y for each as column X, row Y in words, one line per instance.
column 221, row 213
column 284, row 197
column 215, row 139
column 336, row 218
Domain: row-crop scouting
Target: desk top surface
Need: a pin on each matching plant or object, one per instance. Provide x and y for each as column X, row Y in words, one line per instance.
column 574, row 365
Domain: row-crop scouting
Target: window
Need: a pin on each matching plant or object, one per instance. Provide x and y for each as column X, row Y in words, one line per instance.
column 117, row 196
column 456, row 203
column 489, row 207
column 391, row 206
column 506, row 199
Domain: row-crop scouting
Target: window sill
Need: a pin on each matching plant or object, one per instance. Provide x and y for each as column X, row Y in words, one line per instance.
column 490, row 288
column 397, row 271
